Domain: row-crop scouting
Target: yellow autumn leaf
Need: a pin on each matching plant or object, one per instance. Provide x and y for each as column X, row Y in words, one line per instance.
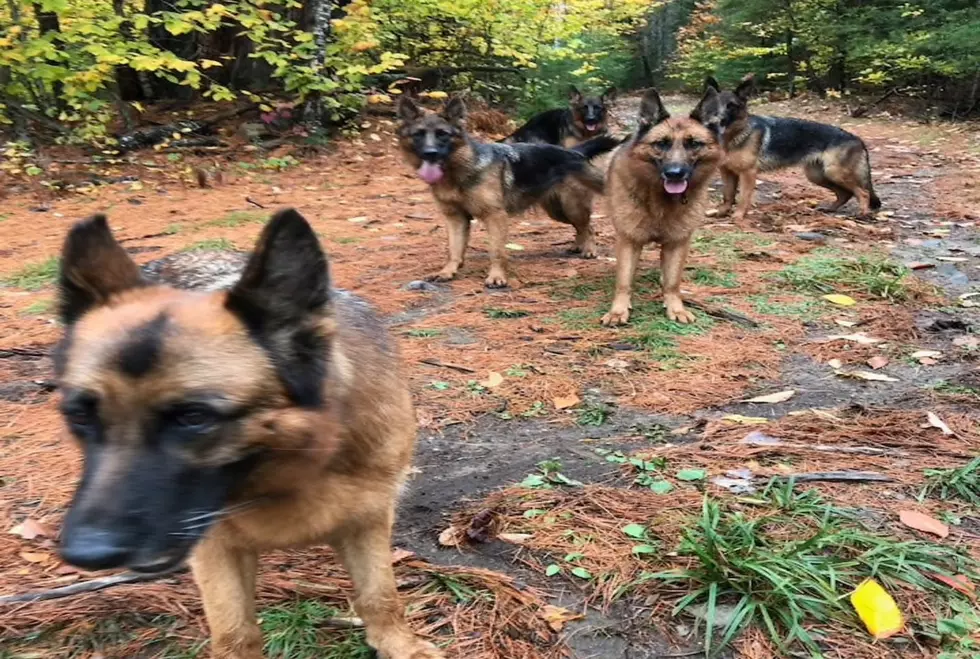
column 746, row 420
column 877, row 609
column 438, row 95
column 494, row 379
column 841, row 300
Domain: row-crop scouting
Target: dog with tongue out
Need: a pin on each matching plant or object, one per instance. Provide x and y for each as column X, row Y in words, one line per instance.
column 491, row 182
column 657, row 185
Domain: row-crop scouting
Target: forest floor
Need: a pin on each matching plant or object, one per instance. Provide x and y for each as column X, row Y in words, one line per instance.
column 574, row 482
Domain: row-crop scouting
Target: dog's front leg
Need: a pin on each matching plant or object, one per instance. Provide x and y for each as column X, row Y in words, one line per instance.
column 225, row 575
column 729, row 189
column 746, row 183
column 458, row 232
column 627, row 258
column 366, row 553
column 497, row 232
column 672, row 258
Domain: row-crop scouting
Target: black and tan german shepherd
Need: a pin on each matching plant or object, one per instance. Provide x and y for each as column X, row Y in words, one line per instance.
column 222, row 425
column 584, row 118
column 657, row 186
column 831, row 157
column 492, row 182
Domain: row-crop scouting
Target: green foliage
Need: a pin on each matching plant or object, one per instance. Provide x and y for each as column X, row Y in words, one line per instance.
column 292, row 631
column 830, row 44
column 211, row 245
column 34, row 276
column 959, row 483
column 826, row 271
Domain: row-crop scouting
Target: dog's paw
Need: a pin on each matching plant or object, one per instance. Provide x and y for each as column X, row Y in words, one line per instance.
column 616, row 317
column 588, row 252
column 446, row 274
column 723, row 211
column 418, row 650
column 680, row 314
column 496, row 280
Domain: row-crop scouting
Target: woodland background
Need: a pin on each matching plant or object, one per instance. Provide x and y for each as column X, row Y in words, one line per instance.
column 85, row 70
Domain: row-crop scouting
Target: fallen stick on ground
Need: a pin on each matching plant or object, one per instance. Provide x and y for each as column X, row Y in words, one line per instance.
column 841, row 477
column 723, row 314
column 455, row 367
column 253, row 202
column 88, row 586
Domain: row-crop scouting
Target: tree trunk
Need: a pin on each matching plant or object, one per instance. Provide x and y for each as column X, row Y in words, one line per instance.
column 792, row 63
column 321, row 11
column 48, row 23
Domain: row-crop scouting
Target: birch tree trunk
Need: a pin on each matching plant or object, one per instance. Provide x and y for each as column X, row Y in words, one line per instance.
column 320, row 14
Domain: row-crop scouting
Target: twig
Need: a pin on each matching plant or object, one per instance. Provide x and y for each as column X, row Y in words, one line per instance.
column 455, row 367
column 841, row 477
column 254, row 203
column 89, row 586
column 22, row 352
column 723, row 314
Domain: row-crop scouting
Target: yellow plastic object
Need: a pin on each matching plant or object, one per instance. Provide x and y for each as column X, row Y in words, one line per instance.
column 877, row 609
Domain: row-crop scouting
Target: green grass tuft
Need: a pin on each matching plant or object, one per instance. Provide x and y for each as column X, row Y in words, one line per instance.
column 293, row 631
column 211, row 244
column 827, row 271
column 39, row 307
column 958, row 483
column 35, row 276
column 707, row 277
column 239, row 219
column 498, row 314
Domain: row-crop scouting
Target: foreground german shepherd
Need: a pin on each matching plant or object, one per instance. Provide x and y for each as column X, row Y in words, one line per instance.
column 657, row 184
column 584, row 118
column 471, row 179
column 831, row 157
column 231, row 423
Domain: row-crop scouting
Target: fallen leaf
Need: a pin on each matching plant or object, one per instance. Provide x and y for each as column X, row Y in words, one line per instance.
column 494, row 379
column 661, row 487
column 958, row 582
column 841, row 300
column 451, row 537
column 640, row 550
column 756, row 438
column 358, row 219
column 968, row 342
column 514, row 247
column 926, row 354
column 514, row 538
column 878, row 361
column 481, row 526
column 835, row 363
column 867, row 375
column 136, row 186
column 928, row 361
column 30, row 529
column 919, row 265
column 556, row 617
column 398, row 555
column 845, row 323
column 952, row 259
column 745, row 420
column 936, row 422
column 637, row 531
column 780, row 397
column 552, row 570
column 35, row 557
column 922, row 522
column 859, row 337
column 877, row 609
column 581, row 573
column 564, row 402
column 691, row 475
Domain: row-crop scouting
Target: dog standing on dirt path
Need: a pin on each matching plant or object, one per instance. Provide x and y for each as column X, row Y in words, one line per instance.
column 831, row 157
column 471, row 179
column 584, row 118
column 226, row 424
column 657, row 185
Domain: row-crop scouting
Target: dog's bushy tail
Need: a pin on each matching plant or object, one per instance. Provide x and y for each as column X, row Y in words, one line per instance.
column 875, row 201
column 597, row 146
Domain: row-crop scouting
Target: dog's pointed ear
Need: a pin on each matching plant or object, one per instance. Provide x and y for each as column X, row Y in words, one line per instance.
column 94, row 267
column 455, row 110
column 574, row 95
column 282, row 298
column 609, row 95
column 408, row 109
column 652, row 110
column 746, row 88
column 711, row 83
column 706, row 109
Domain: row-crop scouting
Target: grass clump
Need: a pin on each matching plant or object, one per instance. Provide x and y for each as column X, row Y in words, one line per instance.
column 828, row 271
column 500, row 314
column 238, row 219
column 792, row 564
column 35, row 276
column 211, row 245
column 292, row 631
column 957, row 483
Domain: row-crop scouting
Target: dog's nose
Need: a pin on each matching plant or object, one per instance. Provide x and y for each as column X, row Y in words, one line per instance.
column 674, row 172
column 93, row 548
column 430, row 155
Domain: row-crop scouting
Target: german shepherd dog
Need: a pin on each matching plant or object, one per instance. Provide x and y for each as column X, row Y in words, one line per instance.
column 584, row 118
column 472, row 179
column 657, row 185
column 831, row 157
column 221, row 425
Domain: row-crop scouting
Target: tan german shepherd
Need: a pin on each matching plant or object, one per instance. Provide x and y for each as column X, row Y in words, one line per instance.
column 491, row 182
column 657, row 185
column 831, row 157
column 227, row 424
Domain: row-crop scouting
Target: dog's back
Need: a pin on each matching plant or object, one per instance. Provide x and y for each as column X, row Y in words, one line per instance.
column 787, row 141
column 548, row 127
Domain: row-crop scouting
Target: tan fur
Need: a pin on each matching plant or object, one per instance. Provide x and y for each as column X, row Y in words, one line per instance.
column 331, row 474
column 642, row 212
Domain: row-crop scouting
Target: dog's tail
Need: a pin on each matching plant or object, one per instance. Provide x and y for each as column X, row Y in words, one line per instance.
column 866, row 183
column 597, row 146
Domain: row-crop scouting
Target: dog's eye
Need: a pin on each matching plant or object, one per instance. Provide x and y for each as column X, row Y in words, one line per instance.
column 664, row 143
column 442, row 134
column 692, row 143
column 196, row 418
column 81, row 413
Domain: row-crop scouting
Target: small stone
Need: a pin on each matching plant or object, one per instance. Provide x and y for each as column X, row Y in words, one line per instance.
column 419, row 285
column 812, row 236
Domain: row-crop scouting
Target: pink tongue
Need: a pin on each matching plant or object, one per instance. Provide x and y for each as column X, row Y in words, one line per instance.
column 591, row 127
column 675, row 187
column 430, row 172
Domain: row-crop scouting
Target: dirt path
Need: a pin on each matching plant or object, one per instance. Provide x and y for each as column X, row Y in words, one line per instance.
column 572, row 394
